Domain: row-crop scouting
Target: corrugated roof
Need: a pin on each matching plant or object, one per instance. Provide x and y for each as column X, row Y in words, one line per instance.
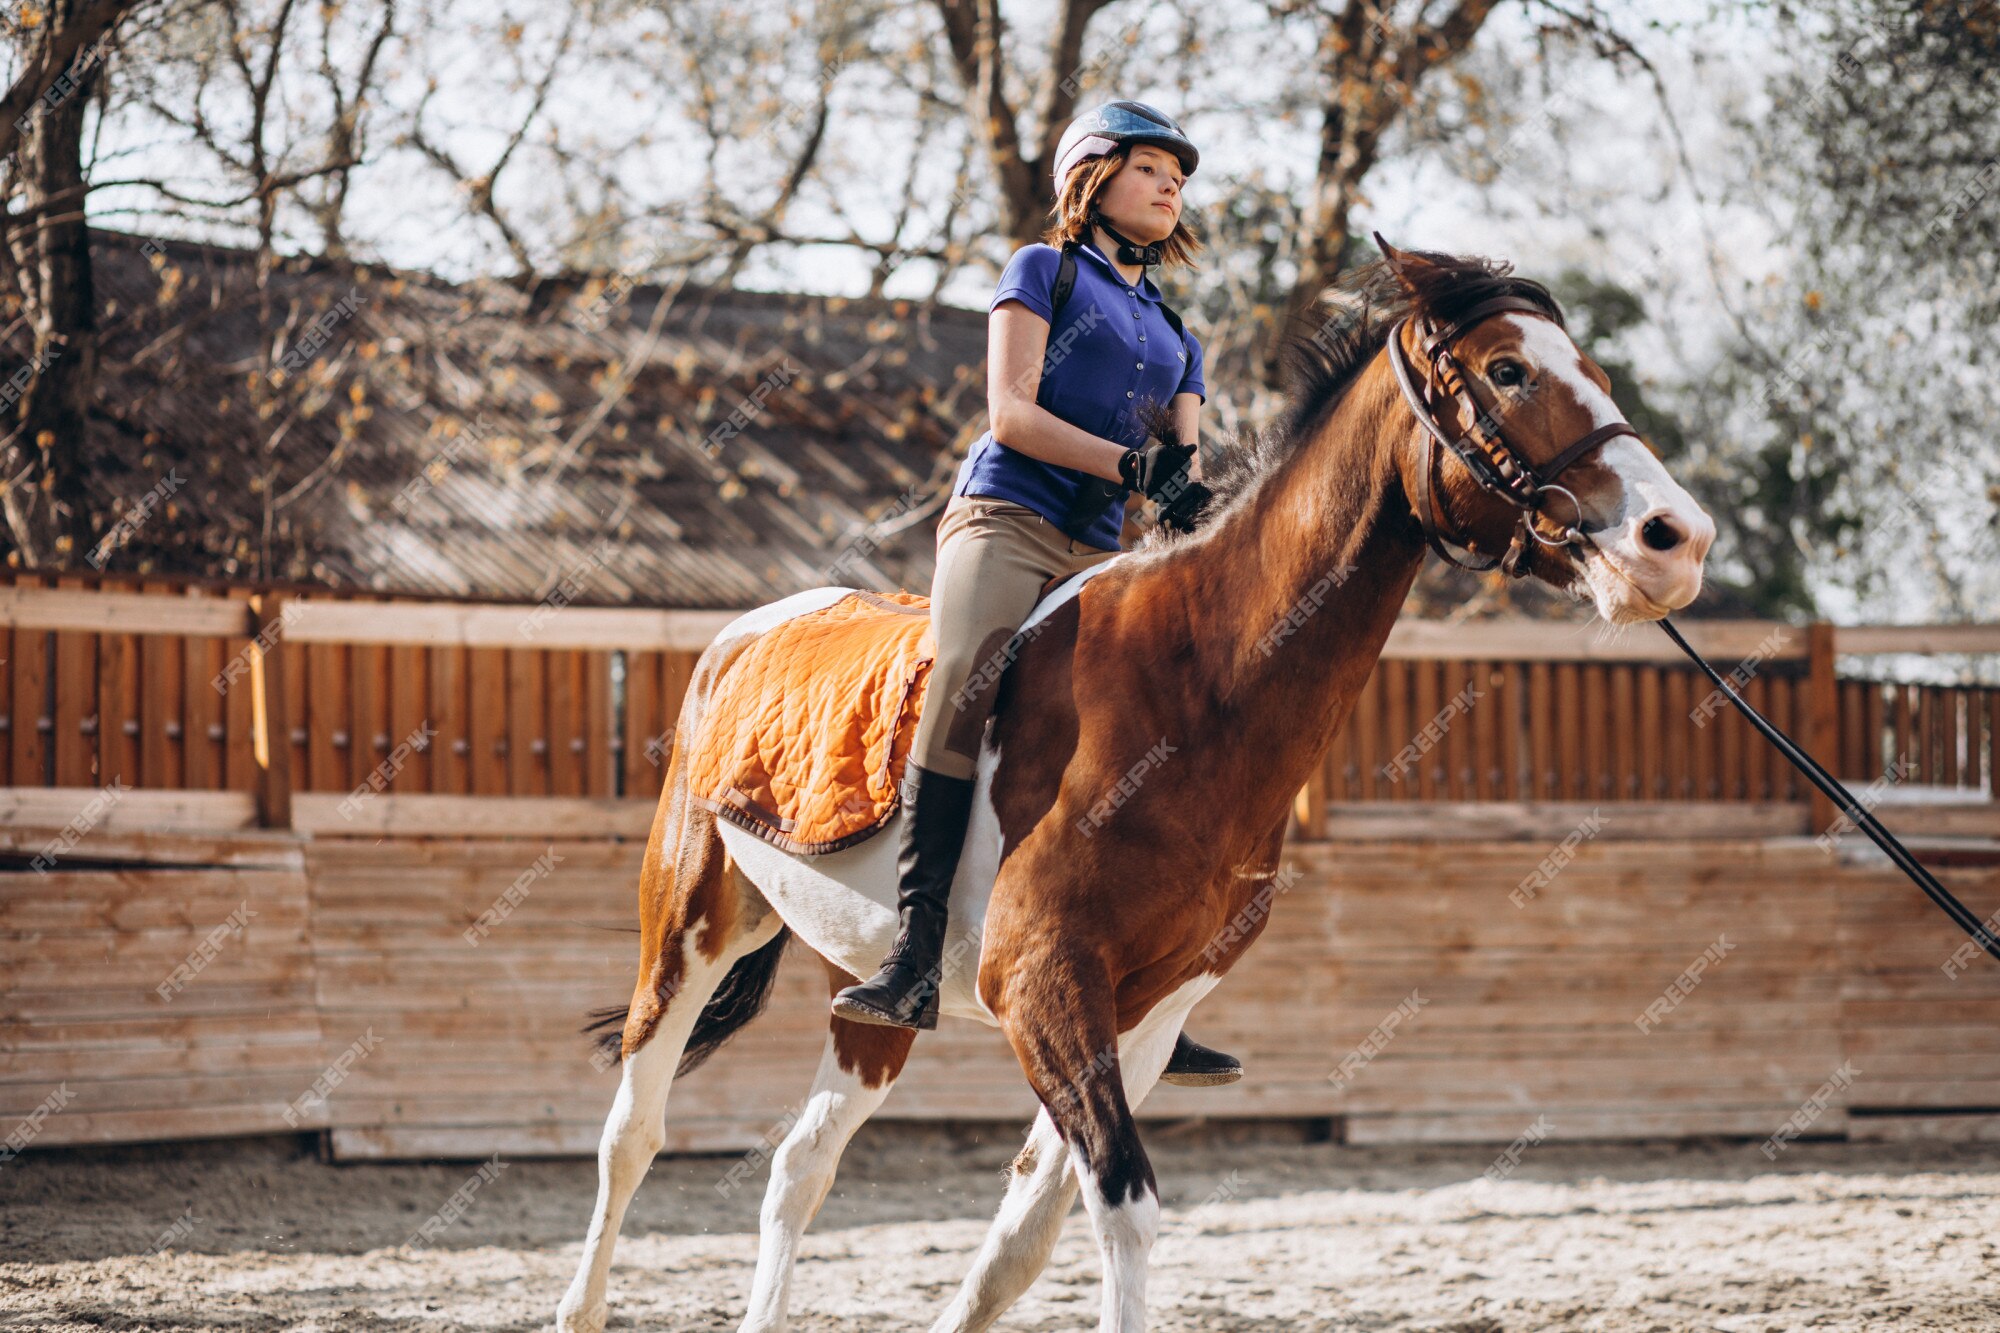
column 506, row 403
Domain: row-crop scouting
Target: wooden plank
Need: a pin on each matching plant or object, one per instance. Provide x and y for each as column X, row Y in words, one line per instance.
column 600, row 752
column 501, row 627
column 1424, row 778
column 429, row 814
column 1526, row 640
column 644, row 723
column 76, row 717
column 271, row 695
column 75, row 608
column 205, row 736
column 1595, row 722
column 451, row 752
column 410, row 714
column 1572, row 779
column 52, row 808
column 487, row 720
column 31, row 717
column 118, row 710
column 529, row 762
column 374, row 740
column 1865, row 639
column 1544, row 820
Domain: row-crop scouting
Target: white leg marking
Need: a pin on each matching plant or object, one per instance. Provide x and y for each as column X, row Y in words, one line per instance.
column 636, row 1127
column 1125, row 1233
column 1039, row 1194
column 801, row 1174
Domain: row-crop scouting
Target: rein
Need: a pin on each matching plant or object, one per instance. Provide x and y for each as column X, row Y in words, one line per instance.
column 1495, row 464
column 1504, row 471
column 1853, row 809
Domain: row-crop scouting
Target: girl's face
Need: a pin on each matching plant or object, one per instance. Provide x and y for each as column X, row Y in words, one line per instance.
column 1144, row 199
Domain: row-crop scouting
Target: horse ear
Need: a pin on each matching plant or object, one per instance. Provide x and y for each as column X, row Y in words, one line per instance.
column 1400, row 263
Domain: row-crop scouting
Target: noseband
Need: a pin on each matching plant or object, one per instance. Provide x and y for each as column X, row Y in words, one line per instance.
column 1495, row 464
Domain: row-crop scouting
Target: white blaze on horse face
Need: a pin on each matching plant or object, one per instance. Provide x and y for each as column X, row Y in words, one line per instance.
column 1646, row 559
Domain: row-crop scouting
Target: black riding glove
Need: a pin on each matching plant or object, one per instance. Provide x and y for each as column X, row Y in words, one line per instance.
column 1159, row 470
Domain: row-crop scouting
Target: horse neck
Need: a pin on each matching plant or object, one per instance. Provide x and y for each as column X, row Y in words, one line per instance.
column 1309, row 573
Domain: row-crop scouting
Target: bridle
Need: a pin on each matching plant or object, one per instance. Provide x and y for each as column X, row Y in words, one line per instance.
column 1495, row 464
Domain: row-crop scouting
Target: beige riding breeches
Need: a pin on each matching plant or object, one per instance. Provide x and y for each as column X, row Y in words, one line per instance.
column 993, row 556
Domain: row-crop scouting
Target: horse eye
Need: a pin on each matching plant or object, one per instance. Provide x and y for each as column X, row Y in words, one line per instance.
column 1507, row 374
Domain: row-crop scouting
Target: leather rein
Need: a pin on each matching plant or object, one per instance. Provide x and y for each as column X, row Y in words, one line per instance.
column 1495, row 464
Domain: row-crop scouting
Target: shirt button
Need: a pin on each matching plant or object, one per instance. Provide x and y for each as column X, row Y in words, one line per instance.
column 1142, row 365
column 1128, row 393
column 1142, row 337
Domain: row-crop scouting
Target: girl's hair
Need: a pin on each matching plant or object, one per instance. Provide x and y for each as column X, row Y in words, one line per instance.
column 1071, row 214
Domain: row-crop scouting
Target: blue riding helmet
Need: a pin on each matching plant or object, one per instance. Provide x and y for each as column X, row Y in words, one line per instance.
column 1109, row 127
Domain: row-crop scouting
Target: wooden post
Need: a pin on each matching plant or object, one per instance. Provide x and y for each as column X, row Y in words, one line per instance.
column 271, row 726
column 1309, row 807
column 1822, row 714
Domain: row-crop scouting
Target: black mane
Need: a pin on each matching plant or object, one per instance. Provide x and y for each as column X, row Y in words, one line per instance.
column 1326, row 348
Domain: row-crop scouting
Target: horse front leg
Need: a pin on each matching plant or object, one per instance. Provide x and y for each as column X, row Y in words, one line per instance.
column 1061, row 1018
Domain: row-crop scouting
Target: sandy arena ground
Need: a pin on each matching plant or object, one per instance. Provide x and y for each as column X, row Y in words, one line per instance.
column 1260, row 1235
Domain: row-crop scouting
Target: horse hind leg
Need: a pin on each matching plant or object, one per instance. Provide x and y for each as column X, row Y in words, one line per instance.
column 857, row 1068
column 709, row 950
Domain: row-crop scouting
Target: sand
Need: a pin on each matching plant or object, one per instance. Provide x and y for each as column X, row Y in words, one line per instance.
column 1257, row 1235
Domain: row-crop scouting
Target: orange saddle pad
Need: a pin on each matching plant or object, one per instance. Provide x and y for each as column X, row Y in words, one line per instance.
column 808, row 732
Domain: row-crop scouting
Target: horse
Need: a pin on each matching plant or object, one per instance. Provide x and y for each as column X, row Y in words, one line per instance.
column 1098, row 899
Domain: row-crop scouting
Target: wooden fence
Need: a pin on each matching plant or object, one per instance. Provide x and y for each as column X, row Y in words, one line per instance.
column 164, row 691
column 209, row 944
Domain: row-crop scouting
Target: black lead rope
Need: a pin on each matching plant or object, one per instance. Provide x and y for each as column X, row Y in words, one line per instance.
column 1840, row 796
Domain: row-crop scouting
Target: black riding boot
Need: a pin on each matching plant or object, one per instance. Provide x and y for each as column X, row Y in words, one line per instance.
column 936, row 809
column 1193, row 1065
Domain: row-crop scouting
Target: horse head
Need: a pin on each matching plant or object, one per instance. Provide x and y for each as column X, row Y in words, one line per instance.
column 1519, row 452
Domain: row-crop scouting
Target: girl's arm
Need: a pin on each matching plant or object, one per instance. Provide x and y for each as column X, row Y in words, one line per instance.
column 1016, row 339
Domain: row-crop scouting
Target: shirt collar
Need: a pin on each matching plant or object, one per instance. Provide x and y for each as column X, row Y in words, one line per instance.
column 1147, row 289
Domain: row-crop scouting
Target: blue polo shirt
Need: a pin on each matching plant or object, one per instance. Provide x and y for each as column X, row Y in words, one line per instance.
column 1113, row 351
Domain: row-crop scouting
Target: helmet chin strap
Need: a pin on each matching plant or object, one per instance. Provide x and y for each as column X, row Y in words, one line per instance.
column 1129, row 251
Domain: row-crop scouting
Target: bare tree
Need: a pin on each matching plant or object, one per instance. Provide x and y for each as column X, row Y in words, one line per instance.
column 60, row 49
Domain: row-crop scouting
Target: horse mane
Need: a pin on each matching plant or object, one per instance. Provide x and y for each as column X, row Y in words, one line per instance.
column 1327, row 345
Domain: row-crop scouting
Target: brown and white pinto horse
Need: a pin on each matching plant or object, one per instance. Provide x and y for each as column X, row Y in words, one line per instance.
column 1084, row 932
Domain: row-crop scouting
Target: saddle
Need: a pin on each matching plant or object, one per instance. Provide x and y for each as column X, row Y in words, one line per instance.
column 808, row 732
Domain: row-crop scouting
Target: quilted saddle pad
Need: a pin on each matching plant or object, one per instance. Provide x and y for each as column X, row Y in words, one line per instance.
column 807, row 733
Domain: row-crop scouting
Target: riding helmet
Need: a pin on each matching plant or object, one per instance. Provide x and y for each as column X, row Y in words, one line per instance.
column 1095, row 133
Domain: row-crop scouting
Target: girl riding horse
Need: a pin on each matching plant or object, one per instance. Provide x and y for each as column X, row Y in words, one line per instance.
column 1042, row 494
